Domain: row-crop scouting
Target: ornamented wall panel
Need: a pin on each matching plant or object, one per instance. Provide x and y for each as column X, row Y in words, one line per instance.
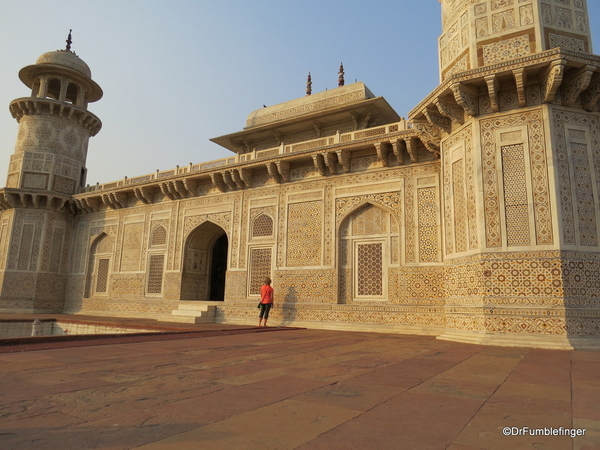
column 516, row 201
column 133, row 235
column 421, row 286
column 260, row 268
column 305, row 286
column 127, row 286
column 156, row 265
column 57, row 253
column 235, row 285
column 4, row 238
column 428, row 224
column 304, row 234
column 424, row 318
column 460, row 201
column 577, row 148
column 515, row 162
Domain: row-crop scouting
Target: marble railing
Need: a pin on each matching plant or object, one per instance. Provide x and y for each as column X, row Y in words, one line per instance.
column 254, row 155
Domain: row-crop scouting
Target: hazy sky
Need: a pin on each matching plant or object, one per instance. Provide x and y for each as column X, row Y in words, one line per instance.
column 177, row 73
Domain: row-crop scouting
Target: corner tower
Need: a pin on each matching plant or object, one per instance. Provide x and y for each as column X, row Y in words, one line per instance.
column 518, row 117
column 46, row 169
column 485, row 32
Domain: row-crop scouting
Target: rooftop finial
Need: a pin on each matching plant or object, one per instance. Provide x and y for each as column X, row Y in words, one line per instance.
column 341, row 75
column 69, row 41
column 308, row 85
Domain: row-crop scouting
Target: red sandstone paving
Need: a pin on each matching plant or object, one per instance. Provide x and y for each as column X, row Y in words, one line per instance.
column 319, row 389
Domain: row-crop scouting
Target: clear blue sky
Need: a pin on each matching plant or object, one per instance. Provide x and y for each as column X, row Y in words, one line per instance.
column 176, row 73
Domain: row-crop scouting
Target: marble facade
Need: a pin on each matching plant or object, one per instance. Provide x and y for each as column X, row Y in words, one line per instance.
column 476, row 219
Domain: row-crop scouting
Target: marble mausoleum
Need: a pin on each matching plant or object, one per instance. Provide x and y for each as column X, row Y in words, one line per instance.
column 475, row 219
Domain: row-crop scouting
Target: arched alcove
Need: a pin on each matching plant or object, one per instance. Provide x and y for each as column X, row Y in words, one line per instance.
column 98, row 268
column 368, row 247
column 205, row 263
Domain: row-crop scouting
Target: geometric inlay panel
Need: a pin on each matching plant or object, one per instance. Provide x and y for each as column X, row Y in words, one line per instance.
column 369, row 269
column 515, row 195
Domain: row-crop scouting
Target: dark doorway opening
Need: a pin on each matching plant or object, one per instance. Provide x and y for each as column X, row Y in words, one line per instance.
column 218, row 269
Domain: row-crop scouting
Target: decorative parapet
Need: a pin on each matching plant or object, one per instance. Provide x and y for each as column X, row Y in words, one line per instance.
column 330, row 156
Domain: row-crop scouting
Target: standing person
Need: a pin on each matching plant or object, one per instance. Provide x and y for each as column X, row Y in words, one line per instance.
column 266, row 301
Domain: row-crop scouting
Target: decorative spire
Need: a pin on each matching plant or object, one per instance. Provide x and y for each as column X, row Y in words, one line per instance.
column 308, row 85
column 69, row 41
column 341, row 75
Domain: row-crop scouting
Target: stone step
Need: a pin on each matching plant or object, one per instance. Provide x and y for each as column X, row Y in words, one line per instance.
column 191, row 319
column 193, row 307
column 209, row 312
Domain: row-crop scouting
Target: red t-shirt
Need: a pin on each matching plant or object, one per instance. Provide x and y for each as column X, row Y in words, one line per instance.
column 266, row 294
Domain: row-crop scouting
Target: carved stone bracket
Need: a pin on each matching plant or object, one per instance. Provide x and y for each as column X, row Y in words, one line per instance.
column 108, row 201
column 521, row 82
column 576, row 84
column 551, row 80
column 217, row 180
column 245, row 176
column 92, row 204
column 273, row 173
column 429, row 136
column 383, row 150
column 284, row 170
column 451, row 110
column 4, row 203
column 235, row 176
column 397, row 146
column 167, row 191
column 331, row 162
column 344, row 159
column 411, row 148
column 319, row 163
column 466, row 97
column 591, row 96
column 438, row 120
column 493, row 86
column 228, row 181
column 191, row 187
column 179, row 187
column 142, row 195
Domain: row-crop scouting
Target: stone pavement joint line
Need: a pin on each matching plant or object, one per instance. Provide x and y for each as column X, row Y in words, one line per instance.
column 298, row 389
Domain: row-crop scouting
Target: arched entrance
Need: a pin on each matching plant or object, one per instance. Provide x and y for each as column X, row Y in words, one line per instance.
column 205, row 263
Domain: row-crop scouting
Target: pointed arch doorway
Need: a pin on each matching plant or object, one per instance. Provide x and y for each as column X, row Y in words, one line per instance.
column 205, row 263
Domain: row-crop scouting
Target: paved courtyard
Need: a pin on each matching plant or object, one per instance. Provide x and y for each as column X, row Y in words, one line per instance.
column 245, row 388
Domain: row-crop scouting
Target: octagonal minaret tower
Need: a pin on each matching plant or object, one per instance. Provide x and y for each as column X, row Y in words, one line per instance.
column 47, row 167
column 54, row 124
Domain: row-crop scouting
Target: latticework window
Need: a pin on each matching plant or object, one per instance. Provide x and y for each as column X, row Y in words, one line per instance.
column 102, row 278
column 262, row 226
column 369, row 269
column 159, row 236
column 155, row 273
